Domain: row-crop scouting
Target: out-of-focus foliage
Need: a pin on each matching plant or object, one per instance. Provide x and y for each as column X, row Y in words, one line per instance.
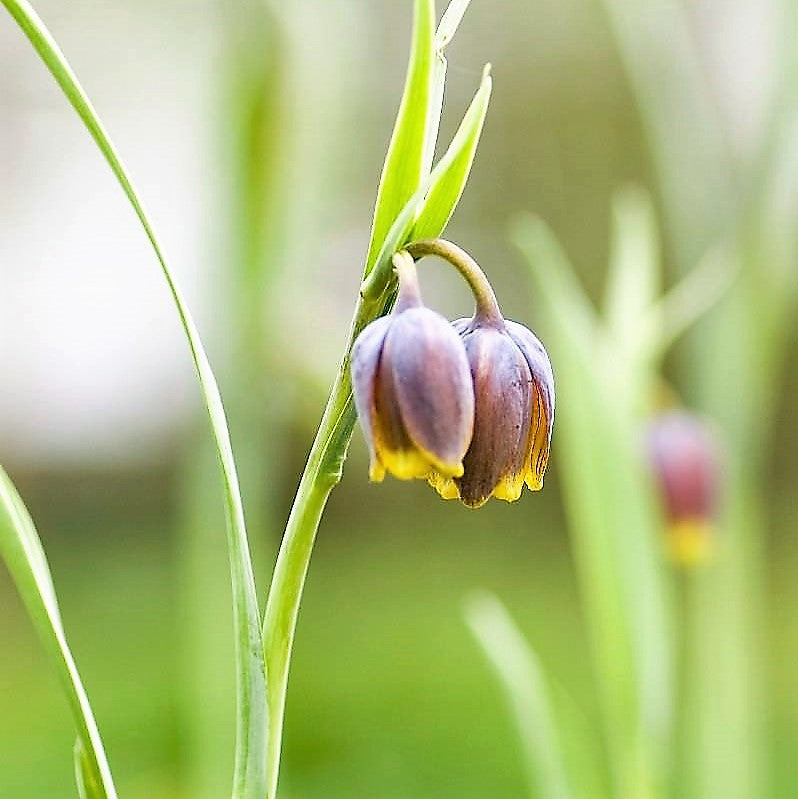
column 389, row 696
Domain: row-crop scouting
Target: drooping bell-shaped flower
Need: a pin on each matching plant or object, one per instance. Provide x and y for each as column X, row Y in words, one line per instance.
column 684, row 457
column 514, row 412
column 513, row 389
column 412, row 388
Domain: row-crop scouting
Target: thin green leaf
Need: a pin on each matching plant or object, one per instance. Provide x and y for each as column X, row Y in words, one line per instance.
column 450, row 175
column 252, row 726
column 22, row 552
column 521, row 676
column 633, row 281
column 695, row 294
column 403, row 171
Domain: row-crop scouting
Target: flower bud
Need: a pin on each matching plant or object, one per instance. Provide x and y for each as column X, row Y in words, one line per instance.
column 514, row 412
column 683, row 454
column 412, row 389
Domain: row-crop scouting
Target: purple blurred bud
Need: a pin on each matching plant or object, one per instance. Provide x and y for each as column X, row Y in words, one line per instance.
column 685, row 462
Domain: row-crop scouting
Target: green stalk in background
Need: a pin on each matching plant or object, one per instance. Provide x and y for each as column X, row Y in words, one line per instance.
column 612, row 519
column 607, row 371
column 698, row 177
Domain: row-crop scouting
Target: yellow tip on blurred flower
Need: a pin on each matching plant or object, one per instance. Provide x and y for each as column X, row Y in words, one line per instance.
column 689, row 542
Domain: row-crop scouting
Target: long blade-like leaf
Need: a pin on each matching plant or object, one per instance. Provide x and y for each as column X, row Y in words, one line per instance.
column 22, row 552
column 403, row 171
column 252, row 727
column 528, row 695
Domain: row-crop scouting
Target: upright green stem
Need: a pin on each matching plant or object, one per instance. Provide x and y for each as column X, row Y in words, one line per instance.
column 322, row 473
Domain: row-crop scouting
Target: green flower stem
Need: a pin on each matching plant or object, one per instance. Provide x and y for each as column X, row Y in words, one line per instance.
column 322, row 473
column 487, row 306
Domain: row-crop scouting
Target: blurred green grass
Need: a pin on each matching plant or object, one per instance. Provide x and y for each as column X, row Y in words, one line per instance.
column 389, row 695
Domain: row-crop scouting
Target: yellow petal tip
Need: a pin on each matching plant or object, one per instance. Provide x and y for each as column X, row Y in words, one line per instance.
column 376, row 472
column 509, row 488
column 534, row 480
column 406, row 464
column 445, row 486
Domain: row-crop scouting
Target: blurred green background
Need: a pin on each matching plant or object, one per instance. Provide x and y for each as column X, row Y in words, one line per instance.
column 257, row 139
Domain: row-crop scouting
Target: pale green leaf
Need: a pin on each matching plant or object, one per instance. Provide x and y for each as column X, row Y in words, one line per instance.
column 447, row 28
column 21, row 550
column 252, row 722
column 436, row 109
column 408, row 151
column 528, row 695
column 633, row 280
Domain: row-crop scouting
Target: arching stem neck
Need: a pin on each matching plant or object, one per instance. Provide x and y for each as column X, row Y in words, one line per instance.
column 487, row 311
